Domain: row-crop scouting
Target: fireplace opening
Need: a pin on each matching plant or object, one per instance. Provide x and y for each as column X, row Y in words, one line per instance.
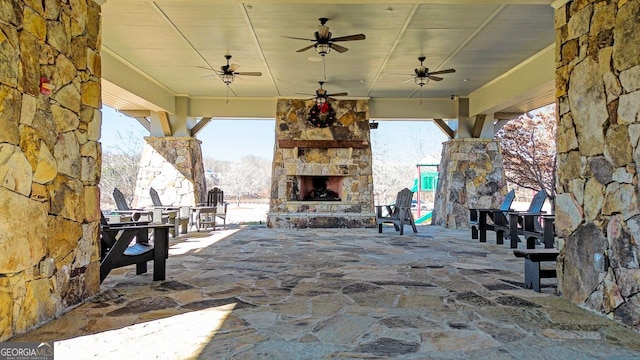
column 320, row 188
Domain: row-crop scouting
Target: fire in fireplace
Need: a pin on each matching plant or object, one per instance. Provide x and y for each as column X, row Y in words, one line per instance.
column 320, row 188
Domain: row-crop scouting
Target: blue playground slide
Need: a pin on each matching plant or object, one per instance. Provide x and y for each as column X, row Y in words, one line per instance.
column 424, row 218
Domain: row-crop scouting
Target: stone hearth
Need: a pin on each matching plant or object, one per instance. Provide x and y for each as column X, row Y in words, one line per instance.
column 322, row 177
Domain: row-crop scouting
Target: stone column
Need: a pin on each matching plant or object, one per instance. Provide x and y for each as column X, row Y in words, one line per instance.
column 597, row 213
column 471, row 175
column 173, row 167
column 49, row 159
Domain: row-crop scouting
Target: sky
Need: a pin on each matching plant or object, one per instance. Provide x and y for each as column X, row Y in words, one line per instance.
column 229, row 140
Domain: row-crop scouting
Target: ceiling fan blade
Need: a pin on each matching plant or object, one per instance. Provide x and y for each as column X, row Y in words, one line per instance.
column 297, row 38
column 323, row 32
column 248, row 73
column 204, row 76
column 448, row 71
column 306, row 48
column 338, row 48
column 233, row 67
column 434, row 78
column 350, row 37
column 204, row 67
column 338, row 94
column 409, row 79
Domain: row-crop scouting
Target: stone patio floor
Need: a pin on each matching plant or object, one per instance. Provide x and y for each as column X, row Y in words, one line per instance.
column 258, row 293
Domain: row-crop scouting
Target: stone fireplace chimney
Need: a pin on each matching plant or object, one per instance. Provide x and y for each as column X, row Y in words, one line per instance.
column 322, row 176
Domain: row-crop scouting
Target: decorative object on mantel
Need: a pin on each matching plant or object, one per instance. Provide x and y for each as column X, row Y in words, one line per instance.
column 322, row 115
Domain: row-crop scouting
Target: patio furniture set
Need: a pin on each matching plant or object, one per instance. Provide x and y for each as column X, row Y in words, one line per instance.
column 534, row 225
column 144, row 233
column 135, row 236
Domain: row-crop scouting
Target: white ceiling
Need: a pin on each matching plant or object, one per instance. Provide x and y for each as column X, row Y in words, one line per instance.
column 168, row 42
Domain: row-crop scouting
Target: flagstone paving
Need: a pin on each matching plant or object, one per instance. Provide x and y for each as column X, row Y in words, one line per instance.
column 259, row 293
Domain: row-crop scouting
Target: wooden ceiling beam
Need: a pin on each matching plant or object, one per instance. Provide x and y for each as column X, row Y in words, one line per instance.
column 477, row 125
column 200, row 125
column 444, row 127
column 165, row 123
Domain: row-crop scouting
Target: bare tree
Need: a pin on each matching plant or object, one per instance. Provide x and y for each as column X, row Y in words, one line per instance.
column 120, row 168
column 249, row 177
column 389, row 178
column 529, row 151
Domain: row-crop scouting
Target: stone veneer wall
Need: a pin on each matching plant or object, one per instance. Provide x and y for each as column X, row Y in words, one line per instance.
column 50, row 159
column 173, row 167
column 352, row 124
column 471, row 175
column 597, row 213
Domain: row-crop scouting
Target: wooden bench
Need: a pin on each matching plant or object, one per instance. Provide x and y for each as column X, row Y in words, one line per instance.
column 398, row 213
column 532, row 270
column 118, row 249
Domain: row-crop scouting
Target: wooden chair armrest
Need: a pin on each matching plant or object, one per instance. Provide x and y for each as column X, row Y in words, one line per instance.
column 526, row 213
column 126, row 224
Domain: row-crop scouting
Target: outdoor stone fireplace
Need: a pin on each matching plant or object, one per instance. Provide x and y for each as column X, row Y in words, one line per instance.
column 322, row 176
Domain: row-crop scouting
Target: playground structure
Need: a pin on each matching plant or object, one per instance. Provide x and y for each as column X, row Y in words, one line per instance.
column 427, row 181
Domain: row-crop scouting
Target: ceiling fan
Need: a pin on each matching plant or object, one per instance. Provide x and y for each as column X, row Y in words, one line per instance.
column 324, row 42
column 422, row 74
column 321, row 95
column 228, row 72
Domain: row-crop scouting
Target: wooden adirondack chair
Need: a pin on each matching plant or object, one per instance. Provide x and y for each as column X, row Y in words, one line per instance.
column 123, row 207
column 182, row 213
column 216, row 198
column 215, row 207
column 117, row 247
column 529, row 225
column 398, row 213
column 155, row 198
column 514, row 224
column 478, row 217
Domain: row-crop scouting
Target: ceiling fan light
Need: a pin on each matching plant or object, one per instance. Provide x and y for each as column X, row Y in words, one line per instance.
column 420, row 81
column 323, row 49
column 227, row 78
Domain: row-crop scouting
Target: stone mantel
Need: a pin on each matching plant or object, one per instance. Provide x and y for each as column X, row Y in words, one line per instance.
column 323, row 144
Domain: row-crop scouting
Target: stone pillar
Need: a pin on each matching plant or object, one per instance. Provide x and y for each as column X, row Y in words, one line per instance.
column 49, row 159
column 597, row 213
column 173, row 166
column 471, row 175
